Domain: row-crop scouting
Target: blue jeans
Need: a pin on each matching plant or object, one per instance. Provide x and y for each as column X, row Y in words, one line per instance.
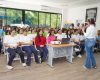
column 12, row 54
column 43, row 51
column 29, row 50
column 90, row 59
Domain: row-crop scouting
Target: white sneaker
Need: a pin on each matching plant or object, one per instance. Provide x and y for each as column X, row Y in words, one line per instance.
column 79, row 56
column 9, row 67
column 24, row 64
column 85, row 67
column 77, row 49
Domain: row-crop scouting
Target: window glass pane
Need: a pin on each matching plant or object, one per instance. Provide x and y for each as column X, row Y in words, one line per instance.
column 31, row 18
column 14, row 16
column 2, row 17
column 48, row 20
column 42, row 21
column 59, row 20
column 53, row 20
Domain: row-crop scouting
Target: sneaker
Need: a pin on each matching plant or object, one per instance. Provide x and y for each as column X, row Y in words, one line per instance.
column 95, row 67
column 79, row 56
column 24, row 64
column 77, row 50
column 9, row 67
column 85, row 67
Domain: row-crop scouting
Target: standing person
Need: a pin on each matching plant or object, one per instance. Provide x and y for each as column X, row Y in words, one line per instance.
column 40, row 42
column 12, row 45
column 90, row 40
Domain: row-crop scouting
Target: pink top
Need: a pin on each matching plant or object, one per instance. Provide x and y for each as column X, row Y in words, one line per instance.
column 51, row 38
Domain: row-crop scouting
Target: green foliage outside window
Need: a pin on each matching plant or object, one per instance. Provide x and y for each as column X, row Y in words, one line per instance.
column 13, row 16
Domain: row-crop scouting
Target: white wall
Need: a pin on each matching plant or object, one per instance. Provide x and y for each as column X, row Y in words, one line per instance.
column 64, row 16
column 11, row 4
column 79, row 13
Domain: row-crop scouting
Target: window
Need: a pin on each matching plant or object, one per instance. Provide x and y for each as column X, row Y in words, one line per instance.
column 59, row 20
column 42, row 21
column 13, row 16
column 2, row 17
column 48, row 20
column 31, row 18
column 53, row 20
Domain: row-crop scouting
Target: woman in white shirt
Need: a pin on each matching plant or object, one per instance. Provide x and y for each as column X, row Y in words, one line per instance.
column 60, row 35
column 11, row 43
column 90, row 40
column 32, row 35
column 27, row 46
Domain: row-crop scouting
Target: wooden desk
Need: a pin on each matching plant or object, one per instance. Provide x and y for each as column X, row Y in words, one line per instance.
column 62, row 50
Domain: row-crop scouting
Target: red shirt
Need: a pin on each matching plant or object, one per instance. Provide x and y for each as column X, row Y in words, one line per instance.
column 41, row 41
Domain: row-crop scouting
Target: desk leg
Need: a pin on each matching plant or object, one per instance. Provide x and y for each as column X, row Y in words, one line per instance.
column 50, row 57
column 70, row 54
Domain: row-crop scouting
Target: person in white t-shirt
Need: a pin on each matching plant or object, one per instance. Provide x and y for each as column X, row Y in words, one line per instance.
column 32, row 35
column 60, row 35
column 90, row 40
column 27, row 46
column 11, row 43
column 79, row 47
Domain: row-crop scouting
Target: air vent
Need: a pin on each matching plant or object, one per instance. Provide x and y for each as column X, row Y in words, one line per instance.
column 44, row 7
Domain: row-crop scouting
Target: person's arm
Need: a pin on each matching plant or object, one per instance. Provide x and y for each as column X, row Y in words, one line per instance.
column 37, row 41
column 6, row 45
column 48, row 40
column 25, row 43
column 87, row 32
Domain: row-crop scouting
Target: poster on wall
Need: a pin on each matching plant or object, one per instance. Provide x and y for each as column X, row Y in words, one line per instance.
column 91, row 13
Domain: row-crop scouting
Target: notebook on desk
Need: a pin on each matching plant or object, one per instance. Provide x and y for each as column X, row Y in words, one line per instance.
column 65, row 41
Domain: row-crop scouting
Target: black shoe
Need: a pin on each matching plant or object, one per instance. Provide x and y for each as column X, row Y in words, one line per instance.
column 95, row 67
column 42, row 61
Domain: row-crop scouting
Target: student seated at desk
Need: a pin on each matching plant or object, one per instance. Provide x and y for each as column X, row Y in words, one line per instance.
column 68, row 33
column 97, row 45
column 60, row 35
column 40, row 42
column 76, row 39
column 11, row 43
column 28, row 47
column 51, row 37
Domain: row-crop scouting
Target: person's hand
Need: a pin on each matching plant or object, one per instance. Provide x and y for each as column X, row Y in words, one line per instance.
column 12, row 47
column 41, row 45
column 83, row 30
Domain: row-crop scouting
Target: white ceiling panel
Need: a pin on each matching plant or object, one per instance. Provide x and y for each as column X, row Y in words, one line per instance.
column 57, row 3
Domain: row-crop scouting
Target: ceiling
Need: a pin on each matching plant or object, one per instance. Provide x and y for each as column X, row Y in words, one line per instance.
column 58, row 3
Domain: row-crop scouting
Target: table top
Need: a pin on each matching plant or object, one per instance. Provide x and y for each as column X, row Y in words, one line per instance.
column 61, row 45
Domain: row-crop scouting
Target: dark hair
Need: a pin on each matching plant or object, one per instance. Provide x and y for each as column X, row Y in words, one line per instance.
column 10, row 31
column 50, row 32
column 63, row 30
column 72, row 25
column 92, row 21
column 58, row 30
column 38, row 35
